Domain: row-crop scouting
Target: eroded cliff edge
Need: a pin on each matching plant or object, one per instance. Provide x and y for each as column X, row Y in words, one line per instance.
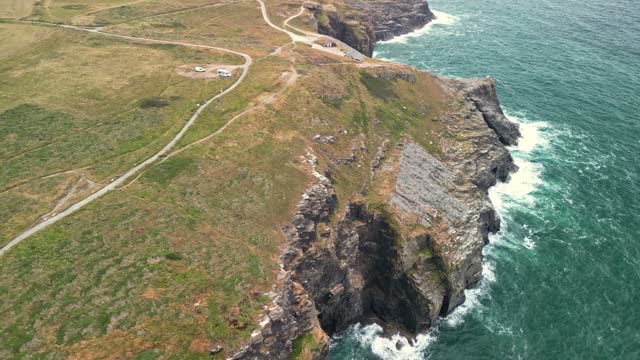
column 361, row 24
column 402, row 251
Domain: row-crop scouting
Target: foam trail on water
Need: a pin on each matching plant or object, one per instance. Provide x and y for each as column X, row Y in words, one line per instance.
column 505, row 196
column 441, row 19
column 523, row 182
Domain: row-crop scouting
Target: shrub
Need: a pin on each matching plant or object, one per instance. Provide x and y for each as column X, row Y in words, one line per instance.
column 153, row 102
column 173, row 256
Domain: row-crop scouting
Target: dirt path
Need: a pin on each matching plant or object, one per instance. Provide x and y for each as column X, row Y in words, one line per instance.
column 122, row 178
column 308, row 38
column 286, row 22
column 267, row 100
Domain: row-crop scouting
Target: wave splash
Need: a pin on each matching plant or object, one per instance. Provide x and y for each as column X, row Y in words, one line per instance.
column 396, row 347
column 506, row 196
column 441, row 19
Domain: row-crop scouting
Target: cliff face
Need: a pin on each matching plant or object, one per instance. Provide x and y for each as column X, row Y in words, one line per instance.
column 406, row 261
column 351, row 27
column 360, row 24
column 392, row 18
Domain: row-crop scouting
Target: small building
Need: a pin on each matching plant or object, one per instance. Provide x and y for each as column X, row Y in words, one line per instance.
column 329, row 44
column 224, row 73
column 199, row 69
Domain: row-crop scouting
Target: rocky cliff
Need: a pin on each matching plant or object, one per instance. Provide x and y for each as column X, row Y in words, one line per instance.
column 391, row 18
column 361, row 23
column 405, row 258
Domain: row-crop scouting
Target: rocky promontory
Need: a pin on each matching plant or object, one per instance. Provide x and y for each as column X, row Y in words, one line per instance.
column 404, row 259
column 361, row 24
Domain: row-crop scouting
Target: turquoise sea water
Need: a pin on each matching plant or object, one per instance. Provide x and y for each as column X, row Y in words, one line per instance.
column 562, row 279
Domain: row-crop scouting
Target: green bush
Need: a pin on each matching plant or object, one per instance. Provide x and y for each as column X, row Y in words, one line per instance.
column 378, row 87
column 153, row 102
column 173, row 256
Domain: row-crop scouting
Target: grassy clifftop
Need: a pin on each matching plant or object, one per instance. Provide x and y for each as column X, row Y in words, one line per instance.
column 178, row 260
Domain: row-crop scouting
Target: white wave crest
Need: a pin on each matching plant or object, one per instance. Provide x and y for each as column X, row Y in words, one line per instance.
column 441, row 19
column 531, row 131
column 397, row 347
column 528, row 243
column 517, row 191
column 523, row 182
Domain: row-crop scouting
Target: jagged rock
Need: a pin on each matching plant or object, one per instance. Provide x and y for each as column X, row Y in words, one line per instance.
column 360, row 268
column 482, row 92
column 392, row 18
column 392, row 73
column 363, row 23
column 346, row 160
column 216, row 350
column 337, row 290
column 324, row 139
column 380, row 154
column 352, row 28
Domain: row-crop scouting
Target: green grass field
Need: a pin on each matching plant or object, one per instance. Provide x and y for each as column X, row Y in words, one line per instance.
column 82, row 102
column 178, row 261
column 100, row 12
column 237, row 26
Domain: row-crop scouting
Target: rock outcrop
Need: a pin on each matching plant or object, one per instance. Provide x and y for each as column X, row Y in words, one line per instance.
column 290, row 316
column 391, row 18
column 351, row 27
column 482, row 93
column 404, row 262
column 292, row 313
column 360, row 24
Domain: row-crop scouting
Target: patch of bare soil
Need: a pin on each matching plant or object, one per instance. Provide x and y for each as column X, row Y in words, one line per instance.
column 199, row 345
column 151, row 294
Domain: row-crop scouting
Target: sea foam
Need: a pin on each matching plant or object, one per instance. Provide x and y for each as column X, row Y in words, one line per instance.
column 441, row 19
column 521, row 184
column 396, row 347
column 517, row 191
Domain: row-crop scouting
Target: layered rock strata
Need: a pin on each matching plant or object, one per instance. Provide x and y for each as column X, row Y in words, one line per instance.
column 403, row 263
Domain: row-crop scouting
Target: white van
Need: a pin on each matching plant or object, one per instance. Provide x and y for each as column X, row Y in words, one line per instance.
column 199, row 69
column 224, row 73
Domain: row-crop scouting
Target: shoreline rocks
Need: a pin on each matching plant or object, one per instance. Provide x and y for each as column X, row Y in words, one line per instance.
column 360, row 24
column 363, row 265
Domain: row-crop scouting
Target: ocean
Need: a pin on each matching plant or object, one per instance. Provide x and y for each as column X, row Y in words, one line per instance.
column 562, row 278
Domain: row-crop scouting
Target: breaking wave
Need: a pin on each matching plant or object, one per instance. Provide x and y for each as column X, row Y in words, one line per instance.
column 505, row 196
column 441, row 19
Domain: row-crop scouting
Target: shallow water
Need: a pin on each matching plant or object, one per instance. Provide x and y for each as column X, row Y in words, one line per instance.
column 562, row 279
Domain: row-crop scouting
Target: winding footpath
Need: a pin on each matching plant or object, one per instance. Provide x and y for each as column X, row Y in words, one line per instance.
column 295, row 37
column 308, row 38
column 121, row 179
